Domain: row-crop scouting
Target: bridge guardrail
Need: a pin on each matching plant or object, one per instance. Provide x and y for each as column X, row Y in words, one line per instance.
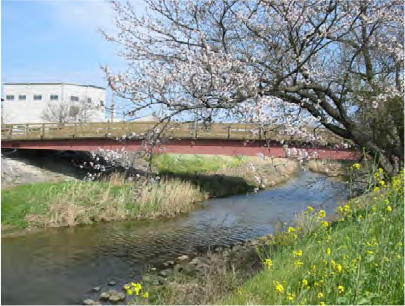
column 75, row 130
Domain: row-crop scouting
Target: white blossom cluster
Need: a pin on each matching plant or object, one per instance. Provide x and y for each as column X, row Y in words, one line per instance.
column 297, row 63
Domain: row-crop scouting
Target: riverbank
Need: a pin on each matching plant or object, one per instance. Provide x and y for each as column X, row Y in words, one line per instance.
column 185, row 182
column 16, row 170
column 343, row 258
column 78, row 202
column 261, row 172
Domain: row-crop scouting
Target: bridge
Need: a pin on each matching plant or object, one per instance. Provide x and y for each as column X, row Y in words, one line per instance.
column 184, row 138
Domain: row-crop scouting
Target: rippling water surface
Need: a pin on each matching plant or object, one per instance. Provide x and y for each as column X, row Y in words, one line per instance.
column 59, row 266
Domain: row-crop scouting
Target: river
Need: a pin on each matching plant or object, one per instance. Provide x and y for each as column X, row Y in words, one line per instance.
column 59, row 266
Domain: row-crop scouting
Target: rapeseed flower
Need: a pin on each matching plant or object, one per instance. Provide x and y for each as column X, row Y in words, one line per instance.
column 291, row 296
column 297, row 253
column 322, row 214
column 279, row 287
column 268, row 263
column 325, row 223
column 356, row 166
column 320, row 295
column 389, row 208
column 341, row 289
column 298, row 263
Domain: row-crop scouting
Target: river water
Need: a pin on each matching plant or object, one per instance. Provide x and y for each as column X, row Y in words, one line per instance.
column 59, row 266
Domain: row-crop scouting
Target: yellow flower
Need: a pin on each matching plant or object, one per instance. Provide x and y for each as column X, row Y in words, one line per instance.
column 279, row 287
column 298, row 263
column 268, row 263
column 297, row 253
column 347, row 208
column 291, row 229
column 389, row 208
column 357, row 166
column 126, row 287
column 310, row 209
column 320, row 295
column 382, row 183
column 305, row 282
column 322, row 303
column 329, row 251
column 136, row 287
column 146, row 295
column 325, row 223
column 341, row 289
column 129, row 292
column 377, row 189
column 322, row 214
column 290, row 296
column 387, row 201
column 380, row 170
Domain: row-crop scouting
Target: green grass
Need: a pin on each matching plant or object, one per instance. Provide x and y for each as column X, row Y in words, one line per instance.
column 78, row 202
column 357, row 260
column 225, row 175
column 194, row 163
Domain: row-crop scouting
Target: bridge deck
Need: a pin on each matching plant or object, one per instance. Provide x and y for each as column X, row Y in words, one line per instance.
column 232, row 131
column 219, row 138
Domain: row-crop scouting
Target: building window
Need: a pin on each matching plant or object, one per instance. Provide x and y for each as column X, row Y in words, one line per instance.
column 102, row 103
column 22, row 97
column 74, row 98
column 10, row 97
column 54, row 97
column 89, row 100
column 37, row 97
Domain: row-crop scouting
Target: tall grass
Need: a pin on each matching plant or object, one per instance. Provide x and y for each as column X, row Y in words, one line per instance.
column 78, row 202
column 194, row 164
column 358, row 259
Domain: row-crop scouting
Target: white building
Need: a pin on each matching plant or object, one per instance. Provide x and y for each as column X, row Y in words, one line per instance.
column 52, row 102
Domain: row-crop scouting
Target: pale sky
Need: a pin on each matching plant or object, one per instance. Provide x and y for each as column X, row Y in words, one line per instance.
column 57, row 41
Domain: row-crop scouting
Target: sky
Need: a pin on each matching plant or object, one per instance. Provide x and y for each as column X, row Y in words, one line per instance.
column 58, row 41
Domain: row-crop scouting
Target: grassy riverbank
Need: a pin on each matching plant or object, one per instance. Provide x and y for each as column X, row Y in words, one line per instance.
column 186, row 179
column 78, row 202
column 357, row 260
column 255, row 171
column 355, row 256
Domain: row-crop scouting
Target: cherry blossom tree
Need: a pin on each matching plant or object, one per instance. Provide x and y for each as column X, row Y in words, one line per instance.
column 333, row 63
